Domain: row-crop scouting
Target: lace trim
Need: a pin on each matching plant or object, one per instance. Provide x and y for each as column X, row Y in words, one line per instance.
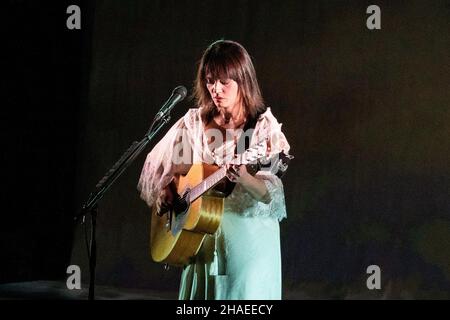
column 242, row 203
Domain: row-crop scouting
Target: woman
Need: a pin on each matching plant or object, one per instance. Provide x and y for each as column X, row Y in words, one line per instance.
column 242, row 260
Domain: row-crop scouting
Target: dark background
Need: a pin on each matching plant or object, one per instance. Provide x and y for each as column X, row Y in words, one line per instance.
column 365, row 111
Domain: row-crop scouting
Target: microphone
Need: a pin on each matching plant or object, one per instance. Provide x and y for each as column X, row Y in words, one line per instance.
column 178, row 94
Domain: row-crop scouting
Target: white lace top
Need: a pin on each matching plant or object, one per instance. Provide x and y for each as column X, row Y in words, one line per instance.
column 159, row 166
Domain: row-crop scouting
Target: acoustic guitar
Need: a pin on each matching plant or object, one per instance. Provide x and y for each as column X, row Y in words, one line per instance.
column 177, row 235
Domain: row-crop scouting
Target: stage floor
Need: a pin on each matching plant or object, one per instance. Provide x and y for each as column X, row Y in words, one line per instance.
column 58, row 290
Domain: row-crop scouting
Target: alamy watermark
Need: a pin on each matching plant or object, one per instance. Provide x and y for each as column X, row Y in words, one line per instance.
column 374, row 280
column 232, row 151
column 74, row 20
column 74, row 278
column 373, row 22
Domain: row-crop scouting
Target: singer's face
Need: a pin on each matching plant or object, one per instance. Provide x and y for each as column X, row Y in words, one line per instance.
column 224, row 93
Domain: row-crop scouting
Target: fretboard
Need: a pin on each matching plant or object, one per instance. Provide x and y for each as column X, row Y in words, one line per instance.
column 207, row 184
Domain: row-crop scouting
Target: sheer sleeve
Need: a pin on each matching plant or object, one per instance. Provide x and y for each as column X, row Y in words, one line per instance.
column 240, row 201
column 276, row 206
column 172, row 155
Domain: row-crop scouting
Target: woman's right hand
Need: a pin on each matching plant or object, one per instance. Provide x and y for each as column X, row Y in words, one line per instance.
column 165, row 200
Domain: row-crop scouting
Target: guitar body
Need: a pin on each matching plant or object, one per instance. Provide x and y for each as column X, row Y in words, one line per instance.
column 176, row 239
column 176, row 236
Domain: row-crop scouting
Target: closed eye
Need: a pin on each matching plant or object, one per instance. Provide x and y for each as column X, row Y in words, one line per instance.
column 222, row 81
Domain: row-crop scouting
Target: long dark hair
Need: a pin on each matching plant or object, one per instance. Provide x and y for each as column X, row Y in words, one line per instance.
column 225, row 59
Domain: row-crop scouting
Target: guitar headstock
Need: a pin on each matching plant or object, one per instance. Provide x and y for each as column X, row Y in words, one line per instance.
column 258, row 158
column 276, row 164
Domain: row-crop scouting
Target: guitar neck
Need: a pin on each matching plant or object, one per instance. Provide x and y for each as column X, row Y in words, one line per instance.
column 207, row 184
column 252, row 169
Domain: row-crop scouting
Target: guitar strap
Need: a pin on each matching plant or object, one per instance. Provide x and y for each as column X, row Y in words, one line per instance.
column 251, row 124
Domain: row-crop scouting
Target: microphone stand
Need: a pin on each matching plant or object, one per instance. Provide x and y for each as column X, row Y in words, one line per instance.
column 91, row 205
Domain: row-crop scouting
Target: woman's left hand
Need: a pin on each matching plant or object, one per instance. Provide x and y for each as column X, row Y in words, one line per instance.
column 236, row 173
column 256, row 187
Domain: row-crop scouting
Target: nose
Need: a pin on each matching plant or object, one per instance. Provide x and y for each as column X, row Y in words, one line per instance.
column 217, row 87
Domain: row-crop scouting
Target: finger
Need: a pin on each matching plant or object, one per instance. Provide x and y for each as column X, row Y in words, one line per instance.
column 161, row 211
column 234, row 170
column 166, row 206
column 232, row 177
